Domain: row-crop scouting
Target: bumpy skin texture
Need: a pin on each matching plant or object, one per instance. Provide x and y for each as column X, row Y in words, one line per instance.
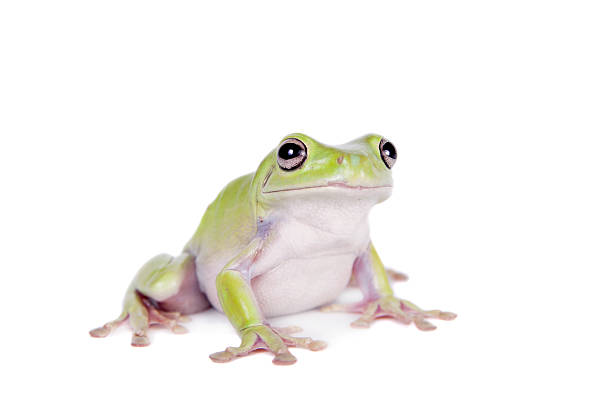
column 279, row 241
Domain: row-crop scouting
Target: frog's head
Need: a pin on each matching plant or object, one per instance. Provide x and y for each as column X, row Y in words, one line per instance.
column 300, row 166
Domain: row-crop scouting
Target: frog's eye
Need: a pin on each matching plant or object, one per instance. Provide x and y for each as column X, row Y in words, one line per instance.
column 291, row 154
column 387, row 152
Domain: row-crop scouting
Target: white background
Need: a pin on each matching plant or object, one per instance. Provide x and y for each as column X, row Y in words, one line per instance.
column 121, row 120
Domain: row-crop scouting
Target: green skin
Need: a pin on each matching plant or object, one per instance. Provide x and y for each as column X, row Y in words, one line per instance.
column 237, row 238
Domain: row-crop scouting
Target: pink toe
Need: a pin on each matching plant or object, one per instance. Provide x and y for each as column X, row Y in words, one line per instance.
column 222, row 357
column 284, row 359
column 100, row 332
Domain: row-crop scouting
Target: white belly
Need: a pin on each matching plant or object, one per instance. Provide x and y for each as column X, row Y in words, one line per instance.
column 305, row 266
column 302, row 283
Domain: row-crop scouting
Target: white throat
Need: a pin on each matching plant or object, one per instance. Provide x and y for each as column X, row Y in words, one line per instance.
column 334, row 210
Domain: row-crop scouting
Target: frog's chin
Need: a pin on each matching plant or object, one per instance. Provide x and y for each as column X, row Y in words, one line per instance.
column 336, row 185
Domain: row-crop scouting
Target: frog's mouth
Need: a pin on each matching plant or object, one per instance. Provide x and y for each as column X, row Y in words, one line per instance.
column 335, row 184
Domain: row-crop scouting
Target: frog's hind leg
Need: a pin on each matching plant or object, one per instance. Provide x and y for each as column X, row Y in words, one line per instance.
column 392, row 275
column 164, row 289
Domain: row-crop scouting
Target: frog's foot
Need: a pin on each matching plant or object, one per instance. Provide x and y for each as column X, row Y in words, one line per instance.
column 142, row 313
column 390, row 306
column 275, row 340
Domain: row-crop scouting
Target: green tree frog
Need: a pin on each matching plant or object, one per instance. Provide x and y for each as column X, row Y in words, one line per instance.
column 284, row 239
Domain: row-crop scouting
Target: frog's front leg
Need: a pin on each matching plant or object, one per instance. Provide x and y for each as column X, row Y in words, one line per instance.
column 378, row 299
column 241, row 308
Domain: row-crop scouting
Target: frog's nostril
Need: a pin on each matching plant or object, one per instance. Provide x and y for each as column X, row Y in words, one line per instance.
column 340, row 159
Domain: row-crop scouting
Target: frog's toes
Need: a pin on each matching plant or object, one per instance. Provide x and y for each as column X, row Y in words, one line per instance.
column 140, row 339
column 414, row 314
column 169, row 320
column 437, row 314
column 390, row 306
column 284, row 359
column 142, row 313
column 275, row 340
column 100, row 332
column 105, row 330
column 287, row 330
column 305, row 343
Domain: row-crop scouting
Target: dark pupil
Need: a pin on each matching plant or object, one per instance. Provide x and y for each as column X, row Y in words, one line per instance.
column 389, row 150
column 289, row 151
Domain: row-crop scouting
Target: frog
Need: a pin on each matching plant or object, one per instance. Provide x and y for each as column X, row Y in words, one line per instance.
column 288, row 238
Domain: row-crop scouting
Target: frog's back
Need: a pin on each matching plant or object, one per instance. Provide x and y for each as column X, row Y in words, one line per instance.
column 227, row 226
